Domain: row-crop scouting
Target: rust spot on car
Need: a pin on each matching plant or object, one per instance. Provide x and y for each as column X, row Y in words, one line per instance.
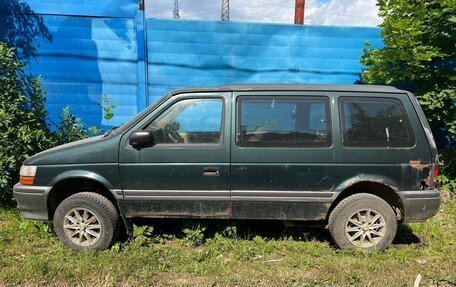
column 376, row 180
column 370, row 180
column 427, row 182
column 430, row 180
column 360, row 179
column 416, row 164
column 209, row 214
column 393, row 187
column 180, row 214
column 382, row 181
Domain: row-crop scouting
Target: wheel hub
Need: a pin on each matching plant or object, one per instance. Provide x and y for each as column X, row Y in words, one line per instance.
column 82, row 226
column 365, row 228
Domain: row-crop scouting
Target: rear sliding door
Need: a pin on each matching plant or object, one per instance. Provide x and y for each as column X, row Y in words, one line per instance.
column 281, row 155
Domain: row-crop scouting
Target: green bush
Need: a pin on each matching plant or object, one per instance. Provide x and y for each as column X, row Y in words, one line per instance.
column 447, row 178
column 23, row 121
column 23, row 126
column 194, row 235
column 72, row 128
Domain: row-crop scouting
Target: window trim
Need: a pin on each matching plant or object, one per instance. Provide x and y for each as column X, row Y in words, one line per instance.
column 377, row 144
column 192, row 145
column 329, row 132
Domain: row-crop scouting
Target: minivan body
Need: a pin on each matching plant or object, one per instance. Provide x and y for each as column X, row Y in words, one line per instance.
column 353, row 157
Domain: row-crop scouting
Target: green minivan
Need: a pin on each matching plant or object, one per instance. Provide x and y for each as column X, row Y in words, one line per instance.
column 356, row 158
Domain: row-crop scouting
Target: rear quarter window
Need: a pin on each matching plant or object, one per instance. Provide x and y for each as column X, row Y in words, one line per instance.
column 375, row 122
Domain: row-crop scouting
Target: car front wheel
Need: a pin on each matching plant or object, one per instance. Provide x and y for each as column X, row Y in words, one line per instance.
column 86, row 220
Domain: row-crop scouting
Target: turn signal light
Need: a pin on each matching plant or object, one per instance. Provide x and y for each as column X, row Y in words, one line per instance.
column 26, row 180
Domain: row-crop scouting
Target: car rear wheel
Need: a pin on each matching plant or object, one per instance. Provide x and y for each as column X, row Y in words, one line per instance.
column 86, row 220
column 363, row 221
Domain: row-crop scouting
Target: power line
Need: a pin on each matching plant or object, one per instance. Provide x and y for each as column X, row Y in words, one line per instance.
column 357, row 4
column 260, row 5
column 347, row 15
column 152, row 4
column 255, row 6
column 184, row 15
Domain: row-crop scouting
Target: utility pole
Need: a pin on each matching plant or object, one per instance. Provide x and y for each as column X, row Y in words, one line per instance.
column 176, row 10
column 225, row 12
column 299, row 12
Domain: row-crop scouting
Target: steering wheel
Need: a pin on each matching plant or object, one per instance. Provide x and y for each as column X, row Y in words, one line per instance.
column 172, row 134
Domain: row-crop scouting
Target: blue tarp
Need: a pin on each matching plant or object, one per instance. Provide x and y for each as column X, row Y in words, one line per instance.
column 201, row 53
column 88, row 58
column 89, row 8
column 86, row 50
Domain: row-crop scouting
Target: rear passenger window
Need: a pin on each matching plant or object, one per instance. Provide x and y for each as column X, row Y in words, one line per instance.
column 276, row 121
column 375, row 122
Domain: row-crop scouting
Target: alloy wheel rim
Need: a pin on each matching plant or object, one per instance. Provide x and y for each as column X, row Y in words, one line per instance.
column 365, row 228
column 82, row 226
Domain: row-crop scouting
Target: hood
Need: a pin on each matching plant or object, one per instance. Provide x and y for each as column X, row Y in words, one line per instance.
column 92, row 150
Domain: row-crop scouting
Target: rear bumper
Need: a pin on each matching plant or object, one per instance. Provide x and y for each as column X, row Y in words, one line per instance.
column 420, row 205
column 32, row 201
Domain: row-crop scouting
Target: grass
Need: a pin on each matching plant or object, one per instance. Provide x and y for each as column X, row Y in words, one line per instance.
column 217, row 253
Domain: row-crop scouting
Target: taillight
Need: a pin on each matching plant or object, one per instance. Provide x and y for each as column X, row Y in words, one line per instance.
column 436, row 174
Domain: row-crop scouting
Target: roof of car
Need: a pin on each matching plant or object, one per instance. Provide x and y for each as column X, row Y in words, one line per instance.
column 291, row 87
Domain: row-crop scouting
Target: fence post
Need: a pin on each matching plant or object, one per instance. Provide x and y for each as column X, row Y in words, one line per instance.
column 141, row 40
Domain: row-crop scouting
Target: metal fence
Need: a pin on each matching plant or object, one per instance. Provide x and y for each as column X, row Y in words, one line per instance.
column 93, row 48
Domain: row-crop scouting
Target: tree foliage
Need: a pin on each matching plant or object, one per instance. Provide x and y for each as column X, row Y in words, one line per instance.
column 419, row 54
column 23, row 127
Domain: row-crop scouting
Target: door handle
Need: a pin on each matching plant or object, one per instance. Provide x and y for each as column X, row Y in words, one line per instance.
column 211, row 171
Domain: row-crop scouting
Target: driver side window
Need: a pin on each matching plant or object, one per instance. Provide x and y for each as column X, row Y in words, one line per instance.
column 192, row 121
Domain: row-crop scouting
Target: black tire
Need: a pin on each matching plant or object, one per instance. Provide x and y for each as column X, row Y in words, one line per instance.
column 104, row 217
column 345, row 222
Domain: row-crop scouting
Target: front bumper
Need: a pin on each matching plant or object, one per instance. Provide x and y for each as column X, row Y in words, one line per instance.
column 32, row 201
column 420, row 205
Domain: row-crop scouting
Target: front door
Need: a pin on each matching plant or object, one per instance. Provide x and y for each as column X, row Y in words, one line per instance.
column 186, row 173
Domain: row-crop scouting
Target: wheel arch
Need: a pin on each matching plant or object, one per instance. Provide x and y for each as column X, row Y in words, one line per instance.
column 72, row 182
column 385, row 189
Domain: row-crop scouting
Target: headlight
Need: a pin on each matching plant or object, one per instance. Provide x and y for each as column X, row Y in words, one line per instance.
column 28, row 170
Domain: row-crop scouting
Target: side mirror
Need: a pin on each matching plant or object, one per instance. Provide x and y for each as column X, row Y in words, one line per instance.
column 141, row 139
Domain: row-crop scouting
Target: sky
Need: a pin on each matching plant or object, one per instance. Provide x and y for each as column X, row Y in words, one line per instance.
column 317, row 12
